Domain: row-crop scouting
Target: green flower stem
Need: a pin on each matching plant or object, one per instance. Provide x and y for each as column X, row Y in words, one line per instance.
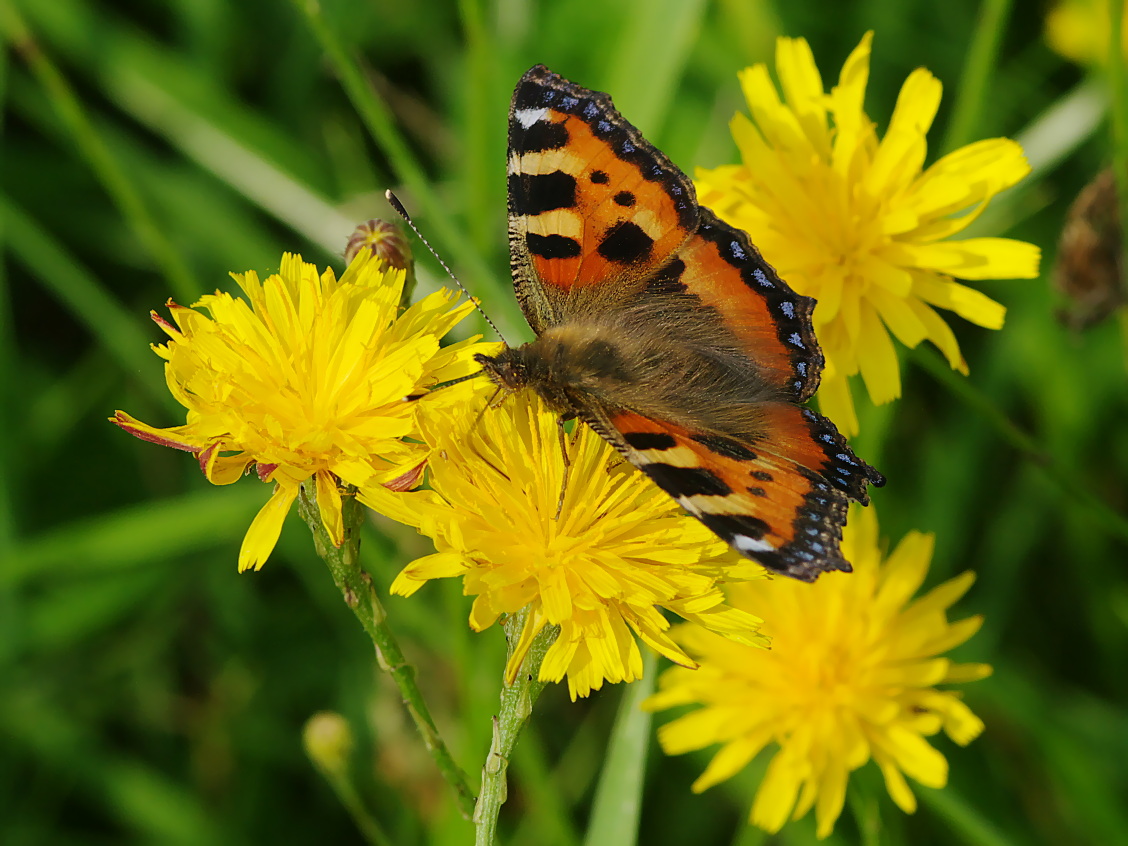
column 349, row 797
column 516, row 706
column 973, row 93
column 360, row 595
column 102, row 162
column 866, row 807
column 1114, row 521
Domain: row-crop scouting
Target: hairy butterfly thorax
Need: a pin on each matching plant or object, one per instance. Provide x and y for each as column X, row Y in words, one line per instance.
column 663, row 328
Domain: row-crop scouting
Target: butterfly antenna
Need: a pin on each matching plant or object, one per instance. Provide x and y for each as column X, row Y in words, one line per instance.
column 402, row 212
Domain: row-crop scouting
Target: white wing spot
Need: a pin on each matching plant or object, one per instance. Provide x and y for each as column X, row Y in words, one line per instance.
column 747, row 544
column 527, row 117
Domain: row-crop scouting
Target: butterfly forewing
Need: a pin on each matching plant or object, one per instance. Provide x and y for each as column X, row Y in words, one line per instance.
column 594, row 209
column 771, row 322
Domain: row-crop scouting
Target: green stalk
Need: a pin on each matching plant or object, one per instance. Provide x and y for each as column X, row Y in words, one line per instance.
column 618, row 796
column 1116, row 95
column 516, row 705
column 328, row 743
column 360, row 595
column 106, row 168
column 9, row 393
column 349, row 797
column 968, row 824
column 475, row 158
column 971, row 96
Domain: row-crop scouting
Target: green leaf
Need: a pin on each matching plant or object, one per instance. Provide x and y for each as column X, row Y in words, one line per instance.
column 618, row 798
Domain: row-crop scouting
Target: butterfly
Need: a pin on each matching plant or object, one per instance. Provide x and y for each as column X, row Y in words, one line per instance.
column 663, row 329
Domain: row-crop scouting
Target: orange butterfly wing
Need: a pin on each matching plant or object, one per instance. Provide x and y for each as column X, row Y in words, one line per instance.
column 780, row 499
column 771, row 322
column 594, row 209
column 606, row 237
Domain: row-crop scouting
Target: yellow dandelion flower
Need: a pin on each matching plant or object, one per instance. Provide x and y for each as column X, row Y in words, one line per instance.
column 306, row 377
column 851, row 675
column 618, row 552
column 853, row 221
column 1079, row 30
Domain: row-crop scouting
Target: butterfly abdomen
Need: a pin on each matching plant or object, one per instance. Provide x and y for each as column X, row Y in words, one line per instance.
column 590, row 368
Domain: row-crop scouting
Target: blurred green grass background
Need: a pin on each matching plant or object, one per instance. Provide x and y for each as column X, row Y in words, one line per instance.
column 149, row 694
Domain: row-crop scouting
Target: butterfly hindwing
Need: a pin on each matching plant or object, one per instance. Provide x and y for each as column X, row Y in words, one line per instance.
column 780, row 499
column 594, row 209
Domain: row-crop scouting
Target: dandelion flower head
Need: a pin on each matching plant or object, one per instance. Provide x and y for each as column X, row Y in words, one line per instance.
column 851, row 675
column 602, row 570
column 856, row 222
column 307, row 376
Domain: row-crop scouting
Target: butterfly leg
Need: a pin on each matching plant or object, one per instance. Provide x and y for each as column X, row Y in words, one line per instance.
column 563, row 435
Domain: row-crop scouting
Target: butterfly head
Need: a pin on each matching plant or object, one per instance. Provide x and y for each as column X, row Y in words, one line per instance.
column 527, row 366
column 508, row 369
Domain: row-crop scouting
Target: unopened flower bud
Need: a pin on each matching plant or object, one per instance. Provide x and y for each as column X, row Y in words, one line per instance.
column 328, row 741
column 382, row 238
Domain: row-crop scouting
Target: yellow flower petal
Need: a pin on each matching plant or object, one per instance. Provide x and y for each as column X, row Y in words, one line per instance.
column 847, row 104
column 916, row 757
column 223, row 469
column 776, row 796
column 900, row 154
column 264, row 530
column 877, row 360
column 836, row 403
column 940, row 334
column 899, row 316
column 533, row 624
column 905, row 570
column 956, row 634
column 975, row 258
column 961, row 673
column 896, row 785
column 803, row 89
column 732, row 758
column 944, row 596
column 329, row 504
column 966, row 302
column 960, row 723
column 831, row 798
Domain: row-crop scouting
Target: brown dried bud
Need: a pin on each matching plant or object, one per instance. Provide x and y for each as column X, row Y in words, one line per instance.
column 1088, row 268
column 382, row 238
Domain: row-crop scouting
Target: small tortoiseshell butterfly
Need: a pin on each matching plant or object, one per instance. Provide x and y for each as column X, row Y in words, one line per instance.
column 662, row 328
